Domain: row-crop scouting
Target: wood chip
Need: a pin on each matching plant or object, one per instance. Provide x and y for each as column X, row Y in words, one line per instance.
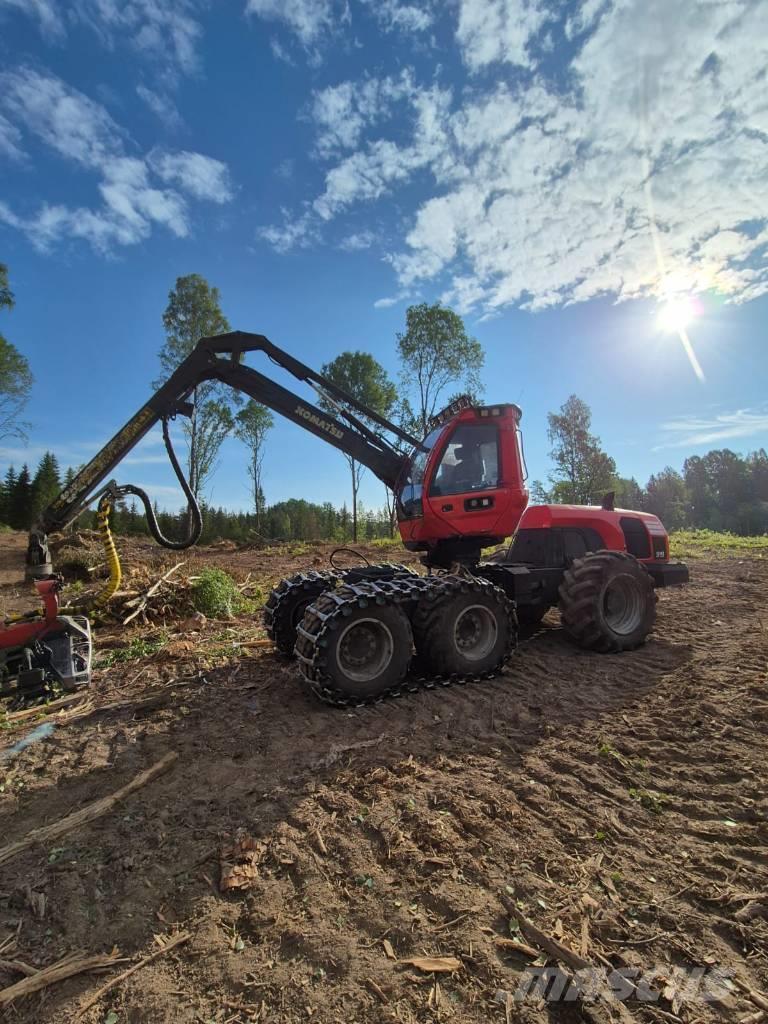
column 379, row 992
column 584, row 948
column 389, row 950
column 516, row 947
column 240, row 860
column 438, row 964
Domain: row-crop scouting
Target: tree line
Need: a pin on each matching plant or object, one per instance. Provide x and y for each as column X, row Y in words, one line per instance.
column 720, row 490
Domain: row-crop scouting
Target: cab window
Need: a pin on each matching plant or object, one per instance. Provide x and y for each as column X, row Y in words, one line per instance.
column 409, row 495
column 470, row 461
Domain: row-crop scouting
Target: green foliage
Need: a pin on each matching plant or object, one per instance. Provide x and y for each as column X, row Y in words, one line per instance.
column 215, row 594
column 698, row 543
column 252, row 424
column 366, row 380
column 649, row 798
column 7, row 300
column 15, row 388
column 46, row 484
column 583, row 471
column 138, row 647
column 20, row 501
column 15, row 375
column 435, row 353
column 667, row 497
column 193, row 312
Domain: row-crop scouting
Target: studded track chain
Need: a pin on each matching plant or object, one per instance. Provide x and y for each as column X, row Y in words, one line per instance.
column 312, row 579
column 331, row 607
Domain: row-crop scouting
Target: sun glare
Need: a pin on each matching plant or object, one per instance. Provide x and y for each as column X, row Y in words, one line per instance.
column 674, row 317
column 676, row 314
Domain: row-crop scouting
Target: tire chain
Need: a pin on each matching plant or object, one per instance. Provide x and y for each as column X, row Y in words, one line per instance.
column 321, row 617
column 306, row 580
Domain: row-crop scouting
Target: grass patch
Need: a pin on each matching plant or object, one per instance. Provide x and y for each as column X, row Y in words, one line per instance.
column 697, row 543
column 138, row 647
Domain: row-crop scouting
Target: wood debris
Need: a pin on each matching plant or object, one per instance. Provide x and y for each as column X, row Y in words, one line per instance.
column 167, row 946
column 62, row 969
column 90, row 812
column 436, row 964
column 239, row 860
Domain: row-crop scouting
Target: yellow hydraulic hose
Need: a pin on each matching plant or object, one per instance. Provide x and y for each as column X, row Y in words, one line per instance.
column 113, row 561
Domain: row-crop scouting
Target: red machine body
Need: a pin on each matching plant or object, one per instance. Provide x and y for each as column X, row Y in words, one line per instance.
column 44, row 648
column 647, row 540
column 466, row 482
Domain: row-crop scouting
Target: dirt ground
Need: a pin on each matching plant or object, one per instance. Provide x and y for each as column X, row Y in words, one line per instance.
column 619, row 800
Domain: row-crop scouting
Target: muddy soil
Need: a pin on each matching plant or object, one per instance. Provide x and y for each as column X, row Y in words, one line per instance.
column 620, row 800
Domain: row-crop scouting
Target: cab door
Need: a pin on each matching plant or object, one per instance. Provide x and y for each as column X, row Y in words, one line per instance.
column 465, row 488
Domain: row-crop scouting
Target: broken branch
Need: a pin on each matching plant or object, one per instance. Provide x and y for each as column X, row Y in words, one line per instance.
column 170, row 944
column 65, row 968
column 86, row 814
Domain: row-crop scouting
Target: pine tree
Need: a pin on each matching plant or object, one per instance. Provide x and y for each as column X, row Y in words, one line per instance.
column 20, row 517
column 46, row 485
column 6, row 493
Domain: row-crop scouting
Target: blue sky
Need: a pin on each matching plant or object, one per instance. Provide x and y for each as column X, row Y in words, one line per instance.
column 557, row 172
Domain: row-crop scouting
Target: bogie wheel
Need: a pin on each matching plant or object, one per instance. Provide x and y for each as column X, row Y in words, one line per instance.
column 287, row 603
column 607, row 601
column 368, row 652
column 470, row 633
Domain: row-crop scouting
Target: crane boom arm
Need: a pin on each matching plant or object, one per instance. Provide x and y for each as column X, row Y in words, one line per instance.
column 220, row 358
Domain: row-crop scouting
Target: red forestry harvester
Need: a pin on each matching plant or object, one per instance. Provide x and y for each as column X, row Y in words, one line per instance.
column 374, row 631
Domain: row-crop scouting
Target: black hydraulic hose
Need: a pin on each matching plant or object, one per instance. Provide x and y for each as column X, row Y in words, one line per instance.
column 196, row 526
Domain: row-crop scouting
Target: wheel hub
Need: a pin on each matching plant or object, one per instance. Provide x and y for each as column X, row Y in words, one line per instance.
column 365, row 649
column 475, row 632
column 622, row 605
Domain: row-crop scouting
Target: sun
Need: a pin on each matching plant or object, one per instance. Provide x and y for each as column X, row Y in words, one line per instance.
column 674, row 317
column 676, row 314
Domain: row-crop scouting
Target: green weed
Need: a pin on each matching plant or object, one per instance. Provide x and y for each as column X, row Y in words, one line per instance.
column 696, row 543
column 649, row 798
column 138, row 647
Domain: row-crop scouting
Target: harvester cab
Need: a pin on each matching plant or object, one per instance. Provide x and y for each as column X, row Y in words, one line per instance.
column 464, row 486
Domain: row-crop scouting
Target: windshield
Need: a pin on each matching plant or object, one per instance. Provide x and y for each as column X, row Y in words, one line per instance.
column 409, row 495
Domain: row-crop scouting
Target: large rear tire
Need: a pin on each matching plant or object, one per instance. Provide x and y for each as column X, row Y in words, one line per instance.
column 468, row 633
column 607, row 601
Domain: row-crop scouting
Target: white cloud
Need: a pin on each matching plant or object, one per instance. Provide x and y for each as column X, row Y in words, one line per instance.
column 162, row 106
column 200, row 176
column 386, row 302
column 63, row 118
column 498, row 30
column 357, row 241
column 167, row 31
column 309, row 19
column 82, row 131
column 45, row 11
column 342, row 112
column 295, row 233
column 692, row 432
column 645, row 171
column 405, row 17
column 10, row 140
